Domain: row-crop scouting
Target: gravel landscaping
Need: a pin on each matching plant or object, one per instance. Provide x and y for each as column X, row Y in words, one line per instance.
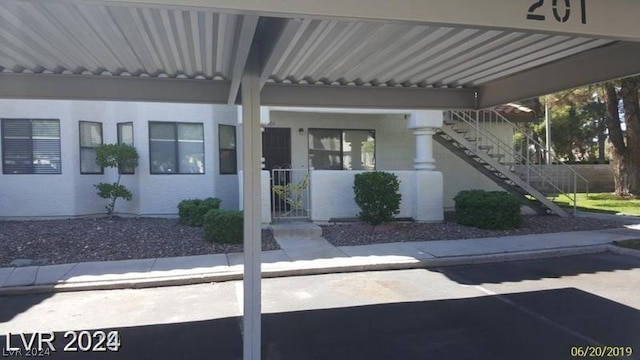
column 45, row 242
column 96, row 239
column 360, row 234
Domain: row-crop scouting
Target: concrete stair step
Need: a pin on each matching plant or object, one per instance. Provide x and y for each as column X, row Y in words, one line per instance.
column 290, row 242
column 303, row 230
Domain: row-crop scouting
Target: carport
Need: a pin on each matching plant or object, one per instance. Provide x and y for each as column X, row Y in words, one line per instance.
column 405, row 54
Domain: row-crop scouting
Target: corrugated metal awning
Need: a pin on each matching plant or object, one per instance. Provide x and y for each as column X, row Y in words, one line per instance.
column 69, row 40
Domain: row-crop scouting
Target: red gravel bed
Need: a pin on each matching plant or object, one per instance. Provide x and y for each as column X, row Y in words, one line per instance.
column 100, row 239
column 360, row 234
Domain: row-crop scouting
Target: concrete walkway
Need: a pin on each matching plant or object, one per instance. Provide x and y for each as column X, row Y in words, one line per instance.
column 304, row 252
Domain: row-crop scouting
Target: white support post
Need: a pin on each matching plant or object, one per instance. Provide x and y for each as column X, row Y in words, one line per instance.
column 252, row 165
column 429, row 190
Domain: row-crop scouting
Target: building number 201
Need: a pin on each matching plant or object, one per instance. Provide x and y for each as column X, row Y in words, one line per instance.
column 561, row 12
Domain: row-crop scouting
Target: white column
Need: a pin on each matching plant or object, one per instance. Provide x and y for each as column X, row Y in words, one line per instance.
column 429, row 191
column 252, row 165
column 424, row 149
column 424, row 124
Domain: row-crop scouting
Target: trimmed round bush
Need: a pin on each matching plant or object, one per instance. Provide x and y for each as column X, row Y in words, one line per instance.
column 224, row 226
column 191, row 212
column 378, row 196
column 496, row 210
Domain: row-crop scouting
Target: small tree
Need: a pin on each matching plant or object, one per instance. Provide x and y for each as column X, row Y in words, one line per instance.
column 378, row 196
column 123, row 157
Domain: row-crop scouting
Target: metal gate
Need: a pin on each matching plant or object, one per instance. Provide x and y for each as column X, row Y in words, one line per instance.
column 290, row 194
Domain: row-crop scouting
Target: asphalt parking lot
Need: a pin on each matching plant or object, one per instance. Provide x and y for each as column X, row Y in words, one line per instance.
column 542, row 309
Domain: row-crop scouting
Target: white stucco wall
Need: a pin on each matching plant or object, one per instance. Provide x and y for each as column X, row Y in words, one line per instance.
column 332, row 194
column 41, row 195
column 395, row 145
column 72, row 193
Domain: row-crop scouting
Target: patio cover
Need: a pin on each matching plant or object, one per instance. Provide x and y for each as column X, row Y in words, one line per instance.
column 403, row 54
column 358, row 53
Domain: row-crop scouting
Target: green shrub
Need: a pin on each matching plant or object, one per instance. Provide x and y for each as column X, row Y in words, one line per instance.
column 123, row 157
column 191, row 212
column 487, row 209
column 113, row 191
column 224, row 226
column 378, row 196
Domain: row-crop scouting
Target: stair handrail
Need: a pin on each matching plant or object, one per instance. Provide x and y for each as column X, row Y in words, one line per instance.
column 479, row 124
column 506, row 149
column 533, row 141
column 538, row 169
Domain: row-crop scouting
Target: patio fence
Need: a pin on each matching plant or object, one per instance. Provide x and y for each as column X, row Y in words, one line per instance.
column 290, row 194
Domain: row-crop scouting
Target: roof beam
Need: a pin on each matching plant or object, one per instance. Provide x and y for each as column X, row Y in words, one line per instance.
column 62, row 87
column 598, row 18
column 606, row 63
column 281, row 46
column 366, row 97
column 241, row 54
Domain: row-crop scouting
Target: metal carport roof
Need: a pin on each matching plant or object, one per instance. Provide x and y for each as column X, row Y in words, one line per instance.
column 334, row 54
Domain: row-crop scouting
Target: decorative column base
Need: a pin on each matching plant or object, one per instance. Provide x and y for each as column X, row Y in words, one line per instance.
column 429, row 204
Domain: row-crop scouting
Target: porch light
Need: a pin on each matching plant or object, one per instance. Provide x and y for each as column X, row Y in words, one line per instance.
column 301, row 131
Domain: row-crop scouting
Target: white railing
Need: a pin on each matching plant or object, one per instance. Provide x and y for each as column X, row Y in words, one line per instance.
column 481, row 127
column 290, row 191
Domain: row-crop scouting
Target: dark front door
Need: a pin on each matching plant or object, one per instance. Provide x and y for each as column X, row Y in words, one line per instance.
column 276, row 150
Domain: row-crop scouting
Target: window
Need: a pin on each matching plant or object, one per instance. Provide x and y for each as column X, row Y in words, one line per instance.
column 227, row 141
column 125, row 136
column 125, row 133
column 90, row 139
column 333, row 149
column 31, row 146
column 176, row 148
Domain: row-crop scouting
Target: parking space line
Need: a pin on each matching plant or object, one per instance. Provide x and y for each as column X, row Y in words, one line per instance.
column 527, row 311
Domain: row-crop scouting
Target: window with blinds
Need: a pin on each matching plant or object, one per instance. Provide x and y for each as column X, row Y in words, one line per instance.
column 31, row 146
column 90, row 139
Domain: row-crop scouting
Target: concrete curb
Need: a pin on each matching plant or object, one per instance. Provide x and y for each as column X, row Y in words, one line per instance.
column 623, row 251
column 310, row 268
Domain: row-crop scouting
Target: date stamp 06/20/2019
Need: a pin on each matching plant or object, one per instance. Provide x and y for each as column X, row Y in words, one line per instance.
column 42, row 344
column 594, row 352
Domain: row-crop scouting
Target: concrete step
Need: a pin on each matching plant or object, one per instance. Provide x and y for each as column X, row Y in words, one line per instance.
column 308, row 248
column 297, row 229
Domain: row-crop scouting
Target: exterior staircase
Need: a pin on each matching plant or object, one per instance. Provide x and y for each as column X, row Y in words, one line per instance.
column 471, row 135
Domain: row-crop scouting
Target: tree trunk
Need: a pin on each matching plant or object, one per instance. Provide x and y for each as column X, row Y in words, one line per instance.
column 602, row 140
column 616, row 137
column 629, row 96
column 602, row 136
